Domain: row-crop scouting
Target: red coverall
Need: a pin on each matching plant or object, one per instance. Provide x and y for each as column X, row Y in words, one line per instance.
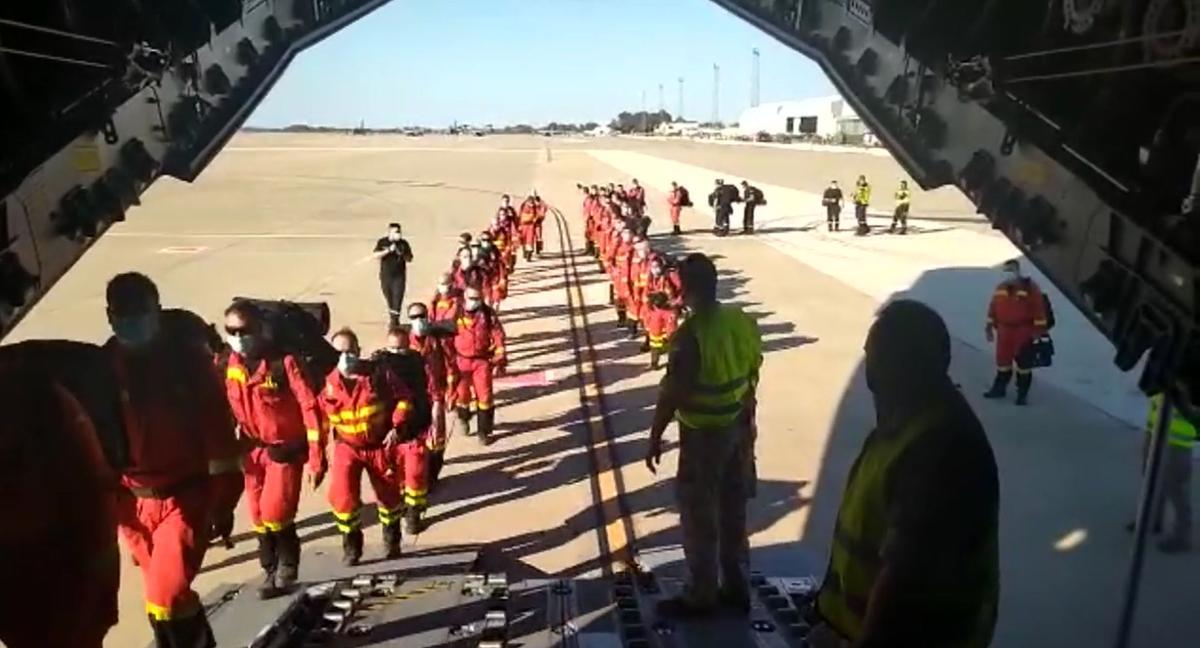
column 621, row 264
column 528, row 225
column 675, row 203
column 637, row 197
column 668, row 282
column 58, row 544
column 602, row 234
column 286, row 417
column 1018, row 312
column 463, row 279
column 589, row 217
column 414, row 456
column 445, row 308
column 660, row 325
column 541, row 209
column 180, row 432
column 360, row 415
column 495, row 280
column 478, row 347
column 639, row 283
column 502, row 238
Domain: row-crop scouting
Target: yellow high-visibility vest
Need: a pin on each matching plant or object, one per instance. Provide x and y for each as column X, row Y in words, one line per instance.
column 1180, row 433
column 730, row 355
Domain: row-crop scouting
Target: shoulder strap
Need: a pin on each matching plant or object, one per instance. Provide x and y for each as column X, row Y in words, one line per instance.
column 277, row 370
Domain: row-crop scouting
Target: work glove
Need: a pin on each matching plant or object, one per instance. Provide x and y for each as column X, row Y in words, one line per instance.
column 499, row 369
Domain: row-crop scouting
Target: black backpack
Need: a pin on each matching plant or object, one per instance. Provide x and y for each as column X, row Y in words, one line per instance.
column 409, row 367
column 298, row 329
column 685, row 199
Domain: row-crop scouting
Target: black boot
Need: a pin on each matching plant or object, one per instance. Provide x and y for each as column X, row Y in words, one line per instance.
column 645, row 344
column 612, row 295
column 288, row 545
column 655, row 357
column 463, row 416
column 436, row 459
column 486, row 421
column 540, row 246
column 1024, row 380
column 268, row 557
column 837, row 225
column 676, row 230
column 352, row 547
column 412, row 520
column 622, row 320
column 391, row 540
column 999, row 385
column 633, row 330
column 187, row 632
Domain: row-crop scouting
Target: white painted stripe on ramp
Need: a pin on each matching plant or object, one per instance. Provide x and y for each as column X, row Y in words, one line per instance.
column 885, row 266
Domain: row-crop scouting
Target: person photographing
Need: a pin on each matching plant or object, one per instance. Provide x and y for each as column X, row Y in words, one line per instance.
column 394, row 254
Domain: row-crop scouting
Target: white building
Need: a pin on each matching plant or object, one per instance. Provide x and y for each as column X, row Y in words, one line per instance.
column 826, row 117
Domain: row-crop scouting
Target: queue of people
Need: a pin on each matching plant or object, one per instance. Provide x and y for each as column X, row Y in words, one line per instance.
column 644, row 284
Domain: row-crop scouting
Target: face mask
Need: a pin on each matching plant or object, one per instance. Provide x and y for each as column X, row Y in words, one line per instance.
column 395, row 350
column 394, row 236
column 348, row 363
column 487, row 245
column 420, row 325
column 136, row 331
column 472, row 305
column 1012, row 274
column 464, row 261
column 241, row 344
column 443, row 289
column 657, row 272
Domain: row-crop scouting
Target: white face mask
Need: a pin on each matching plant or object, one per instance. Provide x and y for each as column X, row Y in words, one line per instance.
column 393, row 236
column 237, row 343
column 443, row 289
column 472, row 304
column 464, row 261
column 348, row 363
column 420, row 326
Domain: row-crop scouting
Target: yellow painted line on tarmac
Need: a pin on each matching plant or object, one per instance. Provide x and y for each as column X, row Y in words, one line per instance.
column 617, row 546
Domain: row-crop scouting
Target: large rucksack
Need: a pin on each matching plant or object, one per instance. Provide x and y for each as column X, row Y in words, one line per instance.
column 409, row 368
column 298, row 329
column 685, row 199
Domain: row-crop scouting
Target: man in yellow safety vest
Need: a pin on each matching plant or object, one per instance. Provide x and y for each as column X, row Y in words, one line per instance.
column 914, row 558
column 712, row 373
column 1176, row 478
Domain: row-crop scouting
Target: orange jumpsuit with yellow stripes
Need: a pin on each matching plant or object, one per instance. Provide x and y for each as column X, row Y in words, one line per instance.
column 1018, row 313
column 360, row 412
column 282, row 424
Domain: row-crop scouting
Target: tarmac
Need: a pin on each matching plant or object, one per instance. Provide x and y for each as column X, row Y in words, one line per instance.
column 295, row 216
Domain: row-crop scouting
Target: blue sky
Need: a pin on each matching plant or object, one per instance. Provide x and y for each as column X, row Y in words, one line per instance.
column 431, row 62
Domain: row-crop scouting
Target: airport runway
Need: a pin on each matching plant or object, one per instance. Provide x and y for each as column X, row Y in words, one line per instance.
column 295, row 217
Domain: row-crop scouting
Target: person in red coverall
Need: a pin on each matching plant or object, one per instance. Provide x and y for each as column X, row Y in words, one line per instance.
column 58, row 547
column 665, row 279
column 495, row 272
column 528, row 218
column 479, row 353
column 675, row 205
column 411, row 453
column 430, row 342
column 541, row 210
column 661, row 320
column 589, row 219
column 621, row 263
column 602, row 234
column 444, row 307
column 364, row 409
column 639, row 283
column 1016, row 317
column 465, row 271
column 637, row 198
column 184, row 465
column 504, row 242
column 279, row 419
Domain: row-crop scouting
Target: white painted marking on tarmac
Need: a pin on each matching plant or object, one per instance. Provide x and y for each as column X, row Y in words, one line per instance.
column 380, row 149
column 183, row 249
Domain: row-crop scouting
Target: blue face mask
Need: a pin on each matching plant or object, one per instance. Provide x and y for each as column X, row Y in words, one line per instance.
column 136, row 330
